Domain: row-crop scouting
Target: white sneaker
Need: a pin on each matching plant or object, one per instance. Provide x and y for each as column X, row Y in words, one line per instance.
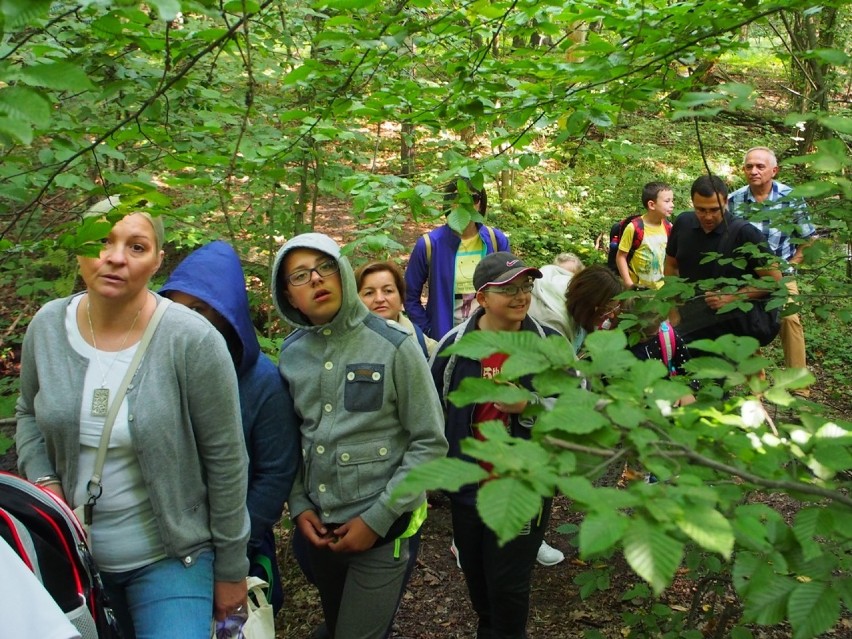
column 548, row 555
column 455, row 552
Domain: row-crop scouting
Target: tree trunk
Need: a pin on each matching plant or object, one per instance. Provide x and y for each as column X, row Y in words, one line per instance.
column 812, row 78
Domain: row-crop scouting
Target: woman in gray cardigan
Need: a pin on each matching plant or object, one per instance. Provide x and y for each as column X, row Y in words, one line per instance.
column 169, row 529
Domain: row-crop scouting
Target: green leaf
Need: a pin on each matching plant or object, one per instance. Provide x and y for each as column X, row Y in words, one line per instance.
column 167, row 9
column 750, row 531
column 696, row 98
column 709, row 367
column 601, row 531
column 85, row 240
column 240, row 7
column 507, row 505
column 474, row 390
column 299, row 74
column 16, row 129
column 61, row 76
column 767, row 605
column 652, row 554
column 709, row 529
column 446, row 473
column 578, row 489
column 25, row 105
column 18, row 13
column 573, row 412
column 342, row 5
column 837, row 123
column 837, row 57
column 625, row 414
column 813, row 189
column 835, row 458
column 487, row 9
column 843, row 586
column 813, row 608
column 793, row 378
column 830, row 156
column 529, row 159
column 737, row 89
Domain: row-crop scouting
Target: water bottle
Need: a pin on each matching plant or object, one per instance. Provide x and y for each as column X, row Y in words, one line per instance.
column 232, row 626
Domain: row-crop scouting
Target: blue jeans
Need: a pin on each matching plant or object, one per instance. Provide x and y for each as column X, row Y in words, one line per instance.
column 164, row 599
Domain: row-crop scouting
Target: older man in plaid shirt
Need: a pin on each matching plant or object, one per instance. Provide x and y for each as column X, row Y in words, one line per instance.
column 787, row 228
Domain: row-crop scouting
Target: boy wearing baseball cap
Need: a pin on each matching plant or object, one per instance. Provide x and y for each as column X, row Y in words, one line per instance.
column 498, row 578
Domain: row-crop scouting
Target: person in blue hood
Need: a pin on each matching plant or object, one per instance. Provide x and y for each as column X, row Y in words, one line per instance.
column 211, row 281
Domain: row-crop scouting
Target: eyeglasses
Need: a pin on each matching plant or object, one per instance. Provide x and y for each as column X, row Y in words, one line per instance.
column 510, row 291
column 303, row 275
column 611, row 312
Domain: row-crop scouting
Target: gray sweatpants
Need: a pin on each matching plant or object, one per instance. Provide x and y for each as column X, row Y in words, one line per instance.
column 359, row 591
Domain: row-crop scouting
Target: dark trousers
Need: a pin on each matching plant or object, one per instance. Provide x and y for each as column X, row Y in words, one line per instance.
column 498, row 578
column 264, row 564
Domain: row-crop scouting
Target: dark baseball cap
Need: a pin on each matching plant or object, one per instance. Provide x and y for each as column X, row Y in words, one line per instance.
column 499, row 268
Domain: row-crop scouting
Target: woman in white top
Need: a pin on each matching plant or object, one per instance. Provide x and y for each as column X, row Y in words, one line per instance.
column 169, row 525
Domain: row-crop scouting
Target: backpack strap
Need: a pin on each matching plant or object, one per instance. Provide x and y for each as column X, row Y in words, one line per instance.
column 668, row 346
column 421, row 339
column 493, row 239
column 638, row 234
column 638, row 225
column 428, row 242
column 94, row 488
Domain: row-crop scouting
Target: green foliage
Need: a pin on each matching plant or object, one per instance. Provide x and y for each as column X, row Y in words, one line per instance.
column 780, row 571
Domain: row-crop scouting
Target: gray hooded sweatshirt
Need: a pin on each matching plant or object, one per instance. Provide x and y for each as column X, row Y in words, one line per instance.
column 363, row 393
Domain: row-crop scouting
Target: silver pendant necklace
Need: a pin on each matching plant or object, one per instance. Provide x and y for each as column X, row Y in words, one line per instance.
column 100, row 396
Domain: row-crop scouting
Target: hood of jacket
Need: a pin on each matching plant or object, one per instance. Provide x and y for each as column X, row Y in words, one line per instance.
column 213, row 274
column 352, row 310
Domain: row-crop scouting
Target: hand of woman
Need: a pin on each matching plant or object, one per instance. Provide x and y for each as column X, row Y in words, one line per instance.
column 228, row 596
column 353, row 536
column 56, row 489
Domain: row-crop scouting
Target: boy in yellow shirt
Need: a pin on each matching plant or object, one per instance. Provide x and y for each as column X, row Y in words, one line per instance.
column 642, row 248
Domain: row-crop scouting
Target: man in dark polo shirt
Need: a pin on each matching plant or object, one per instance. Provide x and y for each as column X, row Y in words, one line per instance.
column 699, row 232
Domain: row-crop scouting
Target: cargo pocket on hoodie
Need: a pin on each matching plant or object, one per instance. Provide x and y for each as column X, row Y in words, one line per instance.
column 363, row 468
column 365, row 387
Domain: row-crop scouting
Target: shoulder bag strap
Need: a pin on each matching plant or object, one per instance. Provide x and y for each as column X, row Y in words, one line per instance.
column 428, row 242
column 493, row 239
column 94, row 486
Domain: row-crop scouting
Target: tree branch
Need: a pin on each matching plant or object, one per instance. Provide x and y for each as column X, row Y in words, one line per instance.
column 691, row 455
column 163, row 88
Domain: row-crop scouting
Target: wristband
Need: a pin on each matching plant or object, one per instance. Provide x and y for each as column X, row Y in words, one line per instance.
column 47, row 480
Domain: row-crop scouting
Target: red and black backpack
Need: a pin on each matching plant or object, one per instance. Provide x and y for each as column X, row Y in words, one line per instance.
column 44, row 532
column 616, row 232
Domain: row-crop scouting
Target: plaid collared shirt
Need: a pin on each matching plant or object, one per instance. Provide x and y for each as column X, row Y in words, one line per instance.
column 779, row 221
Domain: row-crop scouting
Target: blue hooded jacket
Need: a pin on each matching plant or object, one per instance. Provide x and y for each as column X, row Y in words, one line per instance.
column 214, row 275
